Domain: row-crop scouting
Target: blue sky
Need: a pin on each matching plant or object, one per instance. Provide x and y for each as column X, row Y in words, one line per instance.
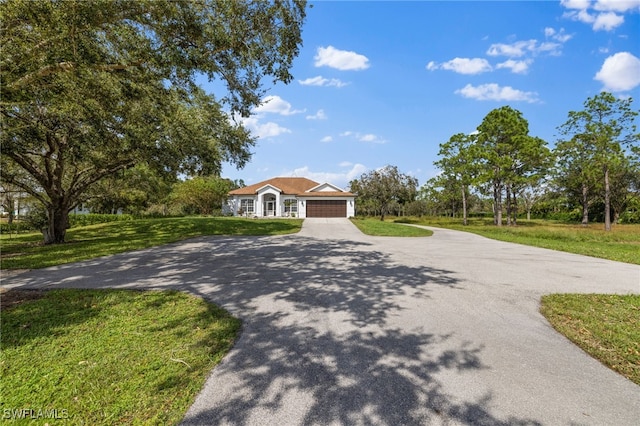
column 380, row 83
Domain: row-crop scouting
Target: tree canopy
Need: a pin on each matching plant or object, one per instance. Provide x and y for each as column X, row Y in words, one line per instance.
column 383, row 186
column 458, row 163
column 602, row 138
column 92, row 87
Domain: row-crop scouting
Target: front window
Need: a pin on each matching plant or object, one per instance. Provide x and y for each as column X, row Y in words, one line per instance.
column 246, row 206
column 290, row 206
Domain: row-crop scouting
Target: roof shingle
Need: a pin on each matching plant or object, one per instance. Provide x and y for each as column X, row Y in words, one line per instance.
column 289, row 186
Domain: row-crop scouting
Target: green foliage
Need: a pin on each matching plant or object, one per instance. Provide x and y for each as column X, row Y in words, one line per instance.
column 93, row 87
column 77, row 220
column 379, row 189
column 596, row 148
column 632, row 214
column 16, row 227
column 132, row 191
column 510, row 159
column 112, row 356
column 605, row 326
column 201, row 194
column 460, row 166
column 597, row 168
column 36, row 218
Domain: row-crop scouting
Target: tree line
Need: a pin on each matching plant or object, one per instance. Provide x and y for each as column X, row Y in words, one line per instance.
column 502, row 168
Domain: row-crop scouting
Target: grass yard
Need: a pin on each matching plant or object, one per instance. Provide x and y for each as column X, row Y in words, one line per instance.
column 26, row 251
column 376, row 227
column 605, row 326
column 101, row 357
column 621, row 244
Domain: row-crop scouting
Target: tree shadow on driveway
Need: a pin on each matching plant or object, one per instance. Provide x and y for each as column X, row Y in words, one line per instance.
column 321, row 341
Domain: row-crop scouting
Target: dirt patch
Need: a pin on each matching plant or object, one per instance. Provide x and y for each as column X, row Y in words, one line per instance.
column 12, row 297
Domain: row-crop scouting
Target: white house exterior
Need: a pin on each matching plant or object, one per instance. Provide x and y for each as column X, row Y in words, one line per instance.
column 291, row 197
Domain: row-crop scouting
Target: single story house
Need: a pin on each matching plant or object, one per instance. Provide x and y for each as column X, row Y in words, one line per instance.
column 291, row 197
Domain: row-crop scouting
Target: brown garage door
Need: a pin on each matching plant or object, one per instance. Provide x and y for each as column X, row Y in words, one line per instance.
column 326, row 208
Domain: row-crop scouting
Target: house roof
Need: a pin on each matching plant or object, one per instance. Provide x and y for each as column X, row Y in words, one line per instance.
column 291, row 186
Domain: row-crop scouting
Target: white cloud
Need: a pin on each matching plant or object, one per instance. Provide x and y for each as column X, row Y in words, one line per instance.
column 560, row 36
column 620, row 72
column 606, row 14
column 513, row 50
column 493, row 92
column 522, row 48
column 549, row 47
column 370, row 137
column 621, row 6
column 276, row 105
column 263, row 130
column 320, row 115
column 575, row 4
column 366, row 137
column 607, row 21
column 462, row 65
column 321, row 81
column 340, row 59
column 327, row 139
column 517, row 67
column 356, row 171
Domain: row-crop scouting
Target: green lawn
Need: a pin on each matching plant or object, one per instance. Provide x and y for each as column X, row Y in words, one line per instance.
column 605, row 326
column 101, row 357
column 25, row 251
column 621, row 244
column 376, row 227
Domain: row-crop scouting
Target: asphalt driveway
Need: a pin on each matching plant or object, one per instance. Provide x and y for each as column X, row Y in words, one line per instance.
column 342, row 328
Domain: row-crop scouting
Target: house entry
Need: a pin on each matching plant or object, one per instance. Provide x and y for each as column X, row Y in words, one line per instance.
column 269, row 205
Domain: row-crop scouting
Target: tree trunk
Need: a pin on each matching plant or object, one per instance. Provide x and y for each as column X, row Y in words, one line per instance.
column 508, row 205
column 464, row 205
column 607, row 200
column 497, row 205
column 514, row 208
column 58, row 222
column 585, row 205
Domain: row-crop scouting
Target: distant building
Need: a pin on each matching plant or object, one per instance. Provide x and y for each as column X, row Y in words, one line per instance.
column 291, row 197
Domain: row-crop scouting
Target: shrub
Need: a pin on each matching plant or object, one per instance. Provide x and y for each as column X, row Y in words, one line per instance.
column 76, row 220
column 632, row 214
column 16, row 227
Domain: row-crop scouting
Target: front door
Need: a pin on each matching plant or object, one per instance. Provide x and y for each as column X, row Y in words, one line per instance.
column 269, row 205
column 269, row 208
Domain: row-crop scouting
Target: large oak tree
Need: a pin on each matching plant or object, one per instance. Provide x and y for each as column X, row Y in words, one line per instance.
column 91, row 87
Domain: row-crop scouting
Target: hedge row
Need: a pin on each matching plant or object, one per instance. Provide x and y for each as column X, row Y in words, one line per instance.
column 75, row 220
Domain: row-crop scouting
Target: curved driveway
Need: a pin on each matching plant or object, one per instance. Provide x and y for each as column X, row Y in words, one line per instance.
column 341, row 328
